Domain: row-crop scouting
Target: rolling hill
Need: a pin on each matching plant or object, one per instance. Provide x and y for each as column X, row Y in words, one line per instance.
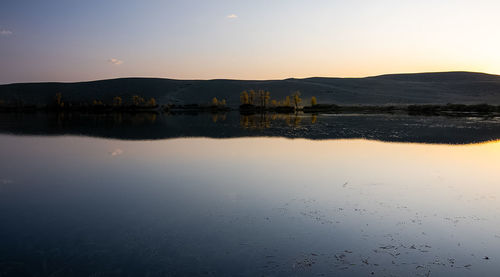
column 418, row 88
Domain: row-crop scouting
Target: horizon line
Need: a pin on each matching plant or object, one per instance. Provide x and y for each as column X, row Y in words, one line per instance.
column 249, row 80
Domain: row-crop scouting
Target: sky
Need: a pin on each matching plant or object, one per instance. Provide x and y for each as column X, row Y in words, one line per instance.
column 70, row 40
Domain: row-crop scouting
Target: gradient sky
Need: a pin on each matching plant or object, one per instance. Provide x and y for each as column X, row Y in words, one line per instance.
column 63, row 40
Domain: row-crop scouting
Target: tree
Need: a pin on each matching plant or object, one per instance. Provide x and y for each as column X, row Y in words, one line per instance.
column 59, row 99
column 223, row 102
column 252, row 97
column 137, row 100
column 296, row 99
column 215, row 102
column 264, row 97
column 117, row 101
column 314, row 101
column 152, row 102
column 244, row 99
column 287, row 101
column 274, row 103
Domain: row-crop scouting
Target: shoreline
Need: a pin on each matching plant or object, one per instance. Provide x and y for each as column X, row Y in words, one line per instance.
column 453, row 110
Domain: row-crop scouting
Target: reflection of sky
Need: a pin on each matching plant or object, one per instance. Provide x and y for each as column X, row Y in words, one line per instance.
column 357, row 161
column 291, row 196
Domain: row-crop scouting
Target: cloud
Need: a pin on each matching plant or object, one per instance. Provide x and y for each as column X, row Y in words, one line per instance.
column 6, row 181
column 117, row 152
column 115, row 61
column 232, row 16
column 4, row 32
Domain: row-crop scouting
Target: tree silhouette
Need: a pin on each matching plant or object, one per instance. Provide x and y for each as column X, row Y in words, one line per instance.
column 117, row 101
column 252, row 97
column 314, row 101
column 296, row 99
column 264, row 97
column 244, row 98
column 59, row 101
column 287, row 101
column 137, row 100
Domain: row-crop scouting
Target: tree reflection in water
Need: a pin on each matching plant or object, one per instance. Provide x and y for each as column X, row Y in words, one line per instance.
column 265, row 120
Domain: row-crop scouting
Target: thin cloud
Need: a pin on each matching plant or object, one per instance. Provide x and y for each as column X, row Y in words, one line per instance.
column 115, row 61
column 117, row 152
column 4, row 32
column 232, row 16
column 6, row 181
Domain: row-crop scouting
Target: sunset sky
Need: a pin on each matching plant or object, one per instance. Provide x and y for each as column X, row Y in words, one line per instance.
column 262, row 39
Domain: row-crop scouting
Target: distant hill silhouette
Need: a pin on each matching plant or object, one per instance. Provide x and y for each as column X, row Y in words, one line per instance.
column 441, row 87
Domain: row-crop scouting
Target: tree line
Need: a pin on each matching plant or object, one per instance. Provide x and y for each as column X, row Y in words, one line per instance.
column 262, row 99
column 117, row 101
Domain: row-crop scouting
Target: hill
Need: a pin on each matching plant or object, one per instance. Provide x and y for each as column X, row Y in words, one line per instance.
column 418, row 88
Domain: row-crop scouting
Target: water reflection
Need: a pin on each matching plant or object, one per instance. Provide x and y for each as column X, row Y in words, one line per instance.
column 404, row 128
column 264, row 120
column 247, row 207
column 218, row 117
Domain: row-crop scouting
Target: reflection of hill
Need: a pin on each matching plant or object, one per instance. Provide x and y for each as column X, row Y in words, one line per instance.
column 144, row 126
column 444, row 87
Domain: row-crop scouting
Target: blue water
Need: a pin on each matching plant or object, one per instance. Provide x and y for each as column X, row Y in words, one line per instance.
column 80, row 206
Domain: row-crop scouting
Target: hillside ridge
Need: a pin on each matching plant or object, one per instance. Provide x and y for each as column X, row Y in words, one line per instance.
column 406, row 88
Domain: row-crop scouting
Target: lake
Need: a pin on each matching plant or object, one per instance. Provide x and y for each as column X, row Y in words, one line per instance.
column 194, row 195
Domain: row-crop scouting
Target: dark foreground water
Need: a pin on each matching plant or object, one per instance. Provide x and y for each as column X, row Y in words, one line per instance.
column 260, row 206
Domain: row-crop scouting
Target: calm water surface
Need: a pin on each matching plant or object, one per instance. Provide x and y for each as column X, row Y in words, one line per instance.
column 79, row 206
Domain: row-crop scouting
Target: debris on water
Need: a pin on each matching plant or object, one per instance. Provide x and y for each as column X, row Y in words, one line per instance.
column 486, row 258
column 305, row 262
column 451, row 261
